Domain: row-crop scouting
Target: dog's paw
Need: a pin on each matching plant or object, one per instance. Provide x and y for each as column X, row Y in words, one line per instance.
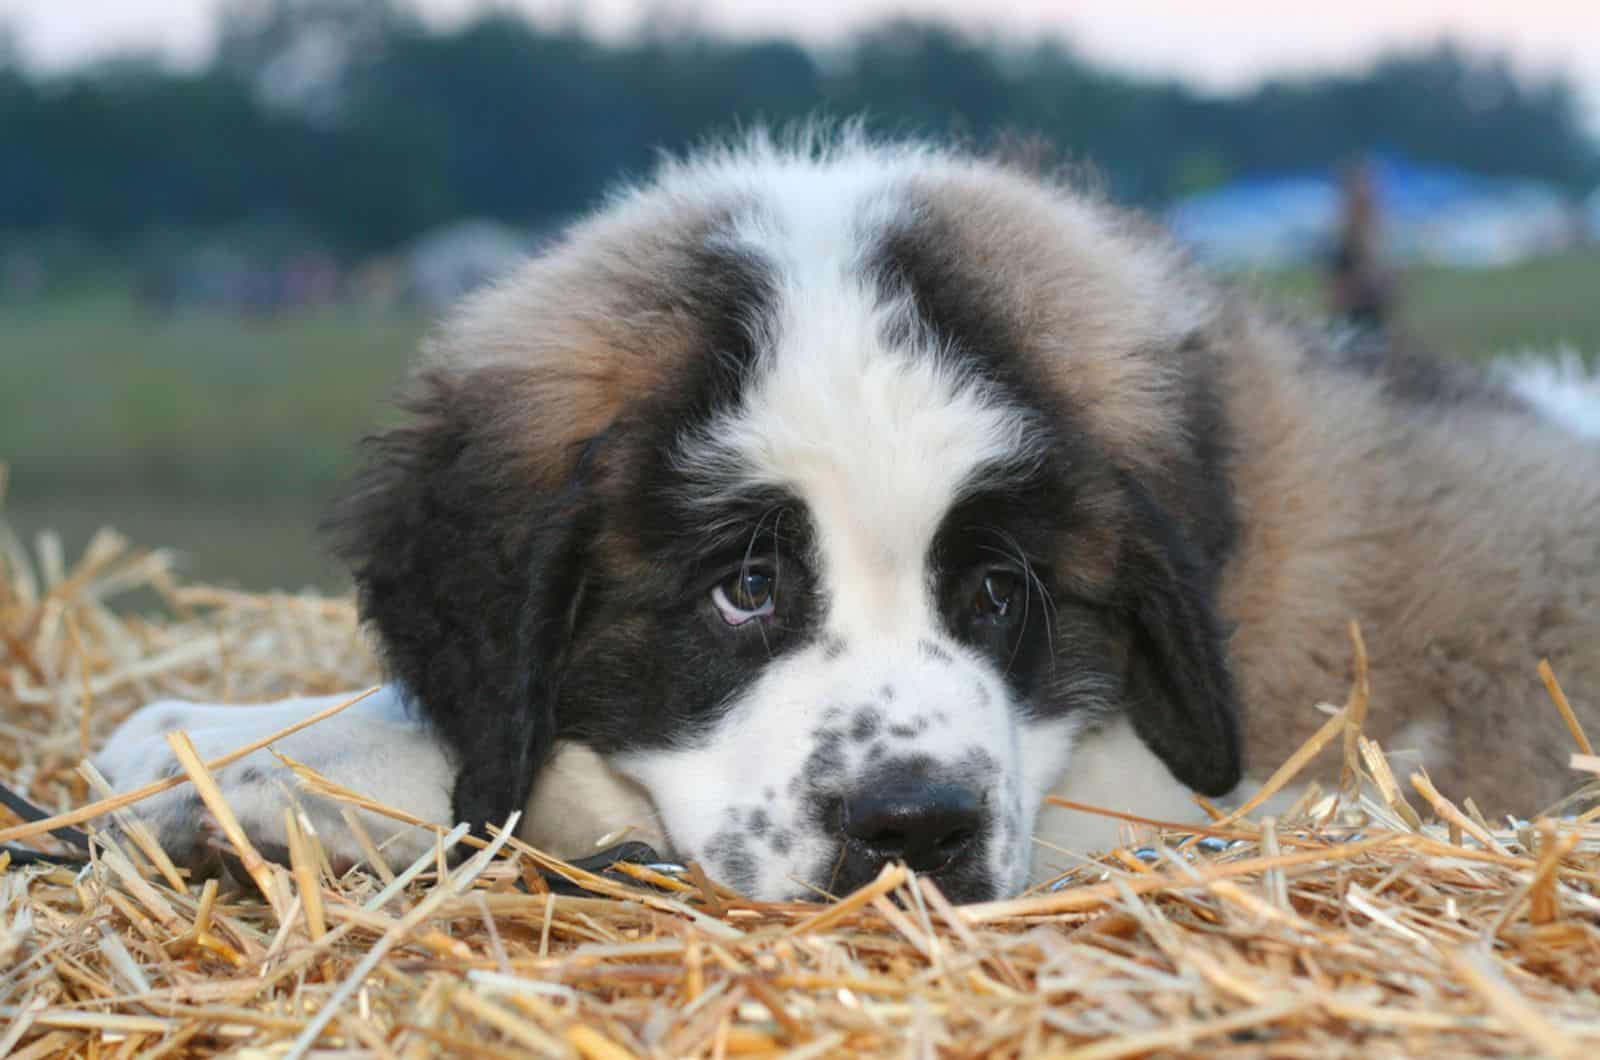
column 375, row 753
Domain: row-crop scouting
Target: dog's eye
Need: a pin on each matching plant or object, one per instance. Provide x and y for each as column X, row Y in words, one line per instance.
column 996, row 593
column 751, row 593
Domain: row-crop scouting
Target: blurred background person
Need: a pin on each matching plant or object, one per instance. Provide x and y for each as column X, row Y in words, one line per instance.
column 1361, row 286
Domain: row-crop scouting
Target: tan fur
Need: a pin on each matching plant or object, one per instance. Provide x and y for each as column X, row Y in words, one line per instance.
column 579, row 803
column 1464, row 539
column 582, row 330
column 1463, row 536
column 1077, row 286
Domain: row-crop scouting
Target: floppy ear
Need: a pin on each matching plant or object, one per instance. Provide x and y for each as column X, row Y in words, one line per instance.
column 465, row 569
column 1179, row 690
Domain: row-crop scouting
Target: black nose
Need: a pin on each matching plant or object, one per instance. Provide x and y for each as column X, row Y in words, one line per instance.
column 926, row 825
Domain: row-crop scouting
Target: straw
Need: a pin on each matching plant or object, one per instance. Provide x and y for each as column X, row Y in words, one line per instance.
column 1388, row 928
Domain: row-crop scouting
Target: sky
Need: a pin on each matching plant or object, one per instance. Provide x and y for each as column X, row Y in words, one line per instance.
column 1218, row 44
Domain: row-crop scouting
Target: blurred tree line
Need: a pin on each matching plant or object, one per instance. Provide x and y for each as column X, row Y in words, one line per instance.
column 354, row 122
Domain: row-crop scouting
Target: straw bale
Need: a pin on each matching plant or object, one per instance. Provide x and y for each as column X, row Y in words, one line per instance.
column 1379, row 920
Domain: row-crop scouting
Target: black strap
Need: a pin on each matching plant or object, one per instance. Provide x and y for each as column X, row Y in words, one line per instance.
column 633, row 852
column 29, row 856
column 31, row 813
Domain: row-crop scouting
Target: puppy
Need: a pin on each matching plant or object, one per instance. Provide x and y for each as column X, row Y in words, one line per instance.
column 822, row 504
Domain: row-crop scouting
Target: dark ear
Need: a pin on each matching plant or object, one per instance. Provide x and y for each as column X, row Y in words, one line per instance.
column 464, row 566
column 1180, row 691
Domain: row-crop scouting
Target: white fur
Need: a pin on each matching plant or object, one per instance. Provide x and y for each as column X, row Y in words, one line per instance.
column 1114, row 770
column 1421, row 745
column 581, row 802
column 753, row 760
column 374, row 748
column 1561, row 388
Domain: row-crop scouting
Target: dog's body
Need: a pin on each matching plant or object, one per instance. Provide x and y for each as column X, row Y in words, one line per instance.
column 811, row 507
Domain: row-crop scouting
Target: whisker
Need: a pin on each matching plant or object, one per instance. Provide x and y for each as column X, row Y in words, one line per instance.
column 838, row 867
column 749, row 551
column 1031, row 582
column 808, row 885
column 1037, row 582
column 777, row 564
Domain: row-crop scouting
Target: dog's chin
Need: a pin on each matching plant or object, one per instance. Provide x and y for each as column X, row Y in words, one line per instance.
column 961, row 887
column 965, row 889
column 1012, row 879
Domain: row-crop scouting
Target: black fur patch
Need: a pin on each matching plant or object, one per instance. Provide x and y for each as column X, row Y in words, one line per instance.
column 1412, row 373
column 826, row 763
column 472, row 578
column 1197, row 491
column 1181, row 534
column 865, row 724
column 1017, row 529
column 920, row 257
column 732, row 861
column 466, row 579
column 1180, row 690
column 654, row 663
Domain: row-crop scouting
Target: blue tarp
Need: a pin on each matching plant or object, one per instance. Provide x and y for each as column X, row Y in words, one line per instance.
column 1290, row 216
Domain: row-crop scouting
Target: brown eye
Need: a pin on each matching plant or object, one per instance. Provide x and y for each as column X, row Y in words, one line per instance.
column 751, row 589
column 745, row 595
column 996, row 593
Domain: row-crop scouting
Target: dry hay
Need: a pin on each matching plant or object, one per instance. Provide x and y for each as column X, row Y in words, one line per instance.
column 1353, row 928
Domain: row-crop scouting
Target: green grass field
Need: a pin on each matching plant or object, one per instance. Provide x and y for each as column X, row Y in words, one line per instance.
column 219, row 436
column 1538, row 306
column 223, row 437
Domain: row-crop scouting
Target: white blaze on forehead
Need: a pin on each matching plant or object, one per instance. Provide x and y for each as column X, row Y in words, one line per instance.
column 878, row 431
column 878, row 440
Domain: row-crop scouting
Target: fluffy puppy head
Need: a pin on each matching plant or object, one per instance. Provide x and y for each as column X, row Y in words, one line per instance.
column 831, row 492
